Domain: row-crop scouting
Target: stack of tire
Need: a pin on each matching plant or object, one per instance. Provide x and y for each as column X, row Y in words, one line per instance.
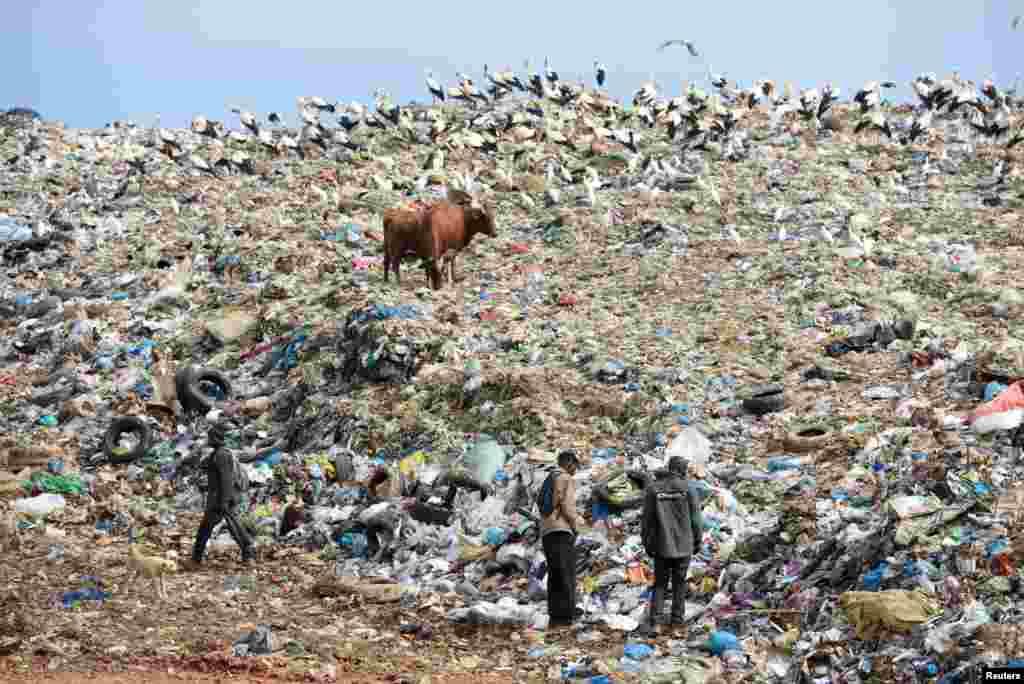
column 601, row 494
column 188, row 385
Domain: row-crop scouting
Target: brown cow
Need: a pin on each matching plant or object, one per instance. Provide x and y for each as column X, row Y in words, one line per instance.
column 403, row 236
column 450, row 229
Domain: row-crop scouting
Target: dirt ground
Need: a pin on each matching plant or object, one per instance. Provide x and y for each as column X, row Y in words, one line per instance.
column 164, row 678
column 152, row 677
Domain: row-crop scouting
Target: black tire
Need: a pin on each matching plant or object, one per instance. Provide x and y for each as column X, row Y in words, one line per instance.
column 192, row 398
column 117, row 428
column 765, row 399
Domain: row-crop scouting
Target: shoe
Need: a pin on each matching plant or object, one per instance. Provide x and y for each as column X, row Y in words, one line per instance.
column 559, row 624
column 190, row 565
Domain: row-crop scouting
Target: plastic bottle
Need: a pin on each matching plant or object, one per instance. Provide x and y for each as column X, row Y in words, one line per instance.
column 359, row 545
column 782, row 463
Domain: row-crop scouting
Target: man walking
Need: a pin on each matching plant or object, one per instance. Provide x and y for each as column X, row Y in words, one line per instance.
column 223, row 497
column 559, row 526
column 672, row 530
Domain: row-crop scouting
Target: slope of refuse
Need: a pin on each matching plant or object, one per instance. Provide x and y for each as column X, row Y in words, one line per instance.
column 826, row 325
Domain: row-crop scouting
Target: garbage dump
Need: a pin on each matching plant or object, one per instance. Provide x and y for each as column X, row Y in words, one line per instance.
column 824, row 327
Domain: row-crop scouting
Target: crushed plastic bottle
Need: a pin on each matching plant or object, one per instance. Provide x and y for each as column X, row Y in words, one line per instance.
column 12, row 231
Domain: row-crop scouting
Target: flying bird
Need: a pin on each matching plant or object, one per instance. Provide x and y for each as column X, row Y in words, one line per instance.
column 599, row 73
column 690, row 47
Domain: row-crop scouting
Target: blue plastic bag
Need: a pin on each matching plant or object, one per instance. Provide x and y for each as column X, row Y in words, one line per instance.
column 484, row 459
column 637, row 651
column 720, row 642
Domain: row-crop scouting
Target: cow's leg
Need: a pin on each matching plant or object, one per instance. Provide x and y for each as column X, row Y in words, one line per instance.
column 435, row 274
column 451, row 269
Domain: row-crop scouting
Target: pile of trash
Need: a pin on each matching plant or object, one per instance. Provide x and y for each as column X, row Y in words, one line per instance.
column 852, row 414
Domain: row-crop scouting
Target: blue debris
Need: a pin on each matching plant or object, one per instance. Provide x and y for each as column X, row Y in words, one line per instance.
column 405, row 312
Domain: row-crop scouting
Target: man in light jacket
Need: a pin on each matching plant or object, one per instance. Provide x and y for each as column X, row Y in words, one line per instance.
column 672, row 531
column 558, row 536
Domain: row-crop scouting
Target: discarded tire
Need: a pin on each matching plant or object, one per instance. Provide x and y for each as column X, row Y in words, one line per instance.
column 119, row 427
column 191, row 395
column 807, row 440
column 765, row 399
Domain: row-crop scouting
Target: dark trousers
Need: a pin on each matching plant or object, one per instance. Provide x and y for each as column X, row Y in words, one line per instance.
column 560, row 551
column 210, row 520
column 378, row 540
column 664, row 570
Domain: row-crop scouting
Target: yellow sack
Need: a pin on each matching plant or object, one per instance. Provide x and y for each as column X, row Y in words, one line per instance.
column 872, row 612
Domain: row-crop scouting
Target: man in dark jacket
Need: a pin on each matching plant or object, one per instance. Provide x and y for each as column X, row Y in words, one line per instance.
column 672, row 530
column 222, row 497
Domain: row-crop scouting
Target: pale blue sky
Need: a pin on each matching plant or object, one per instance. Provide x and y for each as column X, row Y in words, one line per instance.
column 91, row 61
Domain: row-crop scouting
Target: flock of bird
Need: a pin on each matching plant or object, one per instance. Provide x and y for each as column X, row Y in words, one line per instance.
column 466, row 114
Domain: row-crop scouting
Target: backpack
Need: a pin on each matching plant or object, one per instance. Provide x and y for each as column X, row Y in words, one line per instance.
column 239, row 475
column 546, row 497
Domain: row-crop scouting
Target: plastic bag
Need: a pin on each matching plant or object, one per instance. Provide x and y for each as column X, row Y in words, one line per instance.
column 637, row 651
column 1009, row 399
column 1007, row 420
column 484, row 459
column 39, row 506
column 721, row 641
column 894, row 611
column 257, row 642
column 461, row 548
column 374, row 512
column 428, row 474
column 510, row 553
column 491, row 513
column 691, row 445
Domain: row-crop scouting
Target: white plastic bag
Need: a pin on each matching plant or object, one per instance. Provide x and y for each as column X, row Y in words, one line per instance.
column 39, row 506
column 1007, row 420
column 373, row 511
column 691, row 445
column 510, row 553
column 491, row 513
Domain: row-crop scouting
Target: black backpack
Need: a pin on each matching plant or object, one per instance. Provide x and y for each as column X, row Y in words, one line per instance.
column 546, row 497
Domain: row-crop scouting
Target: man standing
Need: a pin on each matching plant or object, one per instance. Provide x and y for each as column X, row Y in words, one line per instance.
column 222, row 497
column 672, row 530
column 559, row 526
